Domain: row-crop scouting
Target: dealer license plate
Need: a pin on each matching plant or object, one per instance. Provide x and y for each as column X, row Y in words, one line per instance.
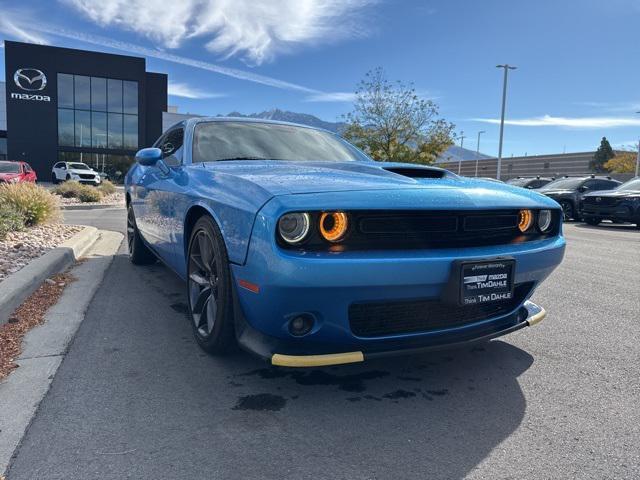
column 486, row 282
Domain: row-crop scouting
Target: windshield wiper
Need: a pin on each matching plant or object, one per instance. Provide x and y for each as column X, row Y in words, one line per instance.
column 244, row 158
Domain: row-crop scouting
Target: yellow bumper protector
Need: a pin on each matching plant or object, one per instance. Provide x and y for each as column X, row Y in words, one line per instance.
column 316, row 360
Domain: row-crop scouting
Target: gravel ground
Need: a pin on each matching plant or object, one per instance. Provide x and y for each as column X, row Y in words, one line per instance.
column 28, row 315
column 19, row 248
column 113, row 199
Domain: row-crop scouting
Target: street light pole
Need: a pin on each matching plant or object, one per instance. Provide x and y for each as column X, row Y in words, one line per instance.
column 461, row 146
column 478, row 151
column 506, row 68
column 638, row 158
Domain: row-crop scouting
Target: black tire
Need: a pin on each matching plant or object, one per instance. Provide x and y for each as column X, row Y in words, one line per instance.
column 68, row 177
column 593, row 221
column 139, row 253
column 209, row 289
column 54, row 179
column 568, row 210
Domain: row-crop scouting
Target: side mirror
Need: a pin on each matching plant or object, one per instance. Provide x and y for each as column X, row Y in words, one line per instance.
column 149, row 156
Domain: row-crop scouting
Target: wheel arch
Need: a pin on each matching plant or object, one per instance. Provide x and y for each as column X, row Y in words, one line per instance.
column 194, row 213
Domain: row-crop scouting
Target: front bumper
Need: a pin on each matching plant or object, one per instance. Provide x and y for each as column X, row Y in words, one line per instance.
column 535, row 314
column 624, row 212
column 284, row 284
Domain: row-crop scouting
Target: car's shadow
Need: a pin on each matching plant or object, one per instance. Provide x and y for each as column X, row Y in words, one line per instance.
column 438, row 414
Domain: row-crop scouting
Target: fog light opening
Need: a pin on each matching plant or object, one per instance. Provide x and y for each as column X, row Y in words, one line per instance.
column 301, row 325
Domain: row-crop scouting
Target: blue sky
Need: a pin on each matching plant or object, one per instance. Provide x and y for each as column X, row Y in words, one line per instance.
column 577, row 59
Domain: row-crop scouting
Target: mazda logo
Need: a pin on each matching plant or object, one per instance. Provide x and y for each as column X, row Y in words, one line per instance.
column 30, row 79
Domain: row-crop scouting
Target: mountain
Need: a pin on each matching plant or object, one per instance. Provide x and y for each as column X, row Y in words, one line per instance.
column 293, row 117
column 455, row 153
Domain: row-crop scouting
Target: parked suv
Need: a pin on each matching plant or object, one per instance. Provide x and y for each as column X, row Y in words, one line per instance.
column 15, row 172
column 619, row 205
column 81, row 172
column 568, row 191
column 530, row 182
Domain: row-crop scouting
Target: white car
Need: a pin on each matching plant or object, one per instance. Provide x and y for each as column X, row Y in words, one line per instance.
column 81, row 172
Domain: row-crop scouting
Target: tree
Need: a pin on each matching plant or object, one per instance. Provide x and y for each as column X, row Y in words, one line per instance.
column 602, row 155
column 390, row 122
column 624, row 162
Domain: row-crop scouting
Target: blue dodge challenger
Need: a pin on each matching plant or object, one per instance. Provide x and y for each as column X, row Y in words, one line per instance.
column 297, row 246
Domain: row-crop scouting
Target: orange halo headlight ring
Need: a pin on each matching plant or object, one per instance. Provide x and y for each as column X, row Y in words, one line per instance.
column 525, row 220
column 333, row 225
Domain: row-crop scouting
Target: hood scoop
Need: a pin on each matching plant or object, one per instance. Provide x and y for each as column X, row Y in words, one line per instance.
column 417, row 172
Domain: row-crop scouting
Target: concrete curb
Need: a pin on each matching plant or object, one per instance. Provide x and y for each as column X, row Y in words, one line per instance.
column 91, row 206
column 18, row 286
column 44, row 347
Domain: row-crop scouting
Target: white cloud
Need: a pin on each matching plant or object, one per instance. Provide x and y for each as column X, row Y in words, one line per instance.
column 254, row 30
column 619, row 107
column 134, row 49
column 186, row 91
column 332, row 97
column 568, row 122
column 14, row 31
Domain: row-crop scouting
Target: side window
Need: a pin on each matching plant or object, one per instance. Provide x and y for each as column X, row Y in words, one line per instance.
column 171, row 146
column 27, row 168
column 57, row 165
column 612, row 185
column 591, row 184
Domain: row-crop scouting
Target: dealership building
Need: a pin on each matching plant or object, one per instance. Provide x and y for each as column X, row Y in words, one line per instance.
column 60, row 104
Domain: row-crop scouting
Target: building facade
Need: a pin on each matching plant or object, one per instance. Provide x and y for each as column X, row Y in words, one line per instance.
column 555, row 165
column 75, row 105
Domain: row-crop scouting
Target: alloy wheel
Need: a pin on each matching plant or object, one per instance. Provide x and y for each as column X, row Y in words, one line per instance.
column 567, row 211
column 203, row 283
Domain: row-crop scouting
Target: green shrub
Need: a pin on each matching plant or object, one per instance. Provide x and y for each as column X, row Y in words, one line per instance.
column 89, row 194
column 35, row 203
column 11, row 220
column 69, row 189
column 107, row 188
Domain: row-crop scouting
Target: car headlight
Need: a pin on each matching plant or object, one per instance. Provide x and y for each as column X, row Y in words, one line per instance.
column 525, row 220
column 294, row 227
column 14, row 180
column 334, row 225
column 544, row 220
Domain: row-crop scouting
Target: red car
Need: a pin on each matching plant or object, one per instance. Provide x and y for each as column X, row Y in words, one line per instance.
column 14, row 172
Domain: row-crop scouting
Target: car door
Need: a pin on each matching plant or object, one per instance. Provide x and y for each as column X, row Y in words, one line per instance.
column 158, row 194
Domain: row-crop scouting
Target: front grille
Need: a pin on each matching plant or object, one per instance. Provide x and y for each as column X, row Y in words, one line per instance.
column 603, row 201
column 87, row 176
column 394, row 318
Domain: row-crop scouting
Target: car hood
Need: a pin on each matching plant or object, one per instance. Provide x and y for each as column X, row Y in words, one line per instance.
column 383, row 180
column 555, row 192
column 78, row 171
column 613, row 193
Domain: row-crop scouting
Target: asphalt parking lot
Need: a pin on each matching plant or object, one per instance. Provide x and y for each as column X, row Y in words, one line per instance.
column 136, row 398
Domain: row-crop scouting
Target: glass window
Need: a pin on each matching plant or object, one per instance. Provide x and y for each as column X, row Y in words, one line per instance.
column 99, row 130
column 82, row 89
column 219, row 141
column 131, row 131
column 114, row 95
column 65, row 127
column 83, row 128
column 99, row 94
column 130, row 97
column 65, row 90
column 114, row 138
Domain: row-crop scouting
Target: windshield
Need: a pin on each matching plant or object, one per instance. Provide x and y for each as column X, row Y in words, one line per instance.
column 9, row 167
column 79, row 166
column 630, row 186
column 563, row 184
column 218, row 141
